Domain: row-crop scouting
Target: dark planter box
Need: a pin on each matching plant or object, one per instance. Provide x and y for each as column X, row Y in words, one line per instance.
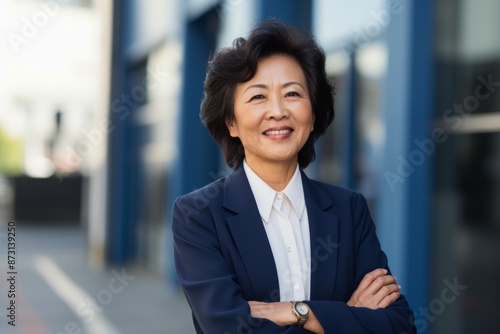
column 47, row 199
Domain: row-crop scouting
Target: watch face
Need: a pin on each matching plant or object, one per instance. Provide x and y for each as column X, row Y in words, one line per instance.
column 302, row 308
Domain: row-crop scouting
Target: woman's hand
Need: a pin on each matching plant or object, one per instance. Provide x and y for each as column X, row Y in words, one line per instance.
column 376, row 290
column 281, row 313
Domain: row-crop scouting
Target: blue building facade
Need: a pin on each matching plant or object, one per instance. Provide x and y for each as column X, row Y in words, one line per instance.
column 416, row 131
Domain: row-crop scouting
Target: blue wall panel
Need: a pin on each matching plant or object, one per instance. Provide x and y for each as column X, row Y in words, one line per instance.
column 120, row 243
column 404, row 211
column 198, row 159
column 297, row 12
column 198, row 154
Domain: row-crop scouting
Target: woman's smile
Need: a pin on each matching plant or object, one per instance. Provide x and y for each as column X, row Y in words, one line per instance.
column 278, row 133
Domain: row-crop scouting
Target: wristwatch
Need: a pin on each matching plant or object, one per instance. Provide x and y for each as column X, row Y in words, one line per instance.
column 301, row 311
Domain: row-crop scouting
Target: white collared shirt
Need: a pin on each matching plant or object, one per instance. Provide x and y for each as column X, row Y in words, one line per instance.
column 288, row 236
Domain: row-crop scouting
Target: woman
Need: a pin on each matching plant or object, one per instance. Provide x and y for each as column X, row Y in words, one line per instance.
column 266, row 249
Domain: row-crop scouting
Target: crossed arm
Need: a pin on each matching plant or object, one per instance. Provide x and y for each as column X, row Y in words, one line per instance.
column 217, row 301
column 376, row 290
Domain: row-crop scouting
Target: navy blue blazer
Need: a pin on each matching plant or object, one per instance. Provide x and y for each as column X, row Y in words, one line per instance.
column 223, row 259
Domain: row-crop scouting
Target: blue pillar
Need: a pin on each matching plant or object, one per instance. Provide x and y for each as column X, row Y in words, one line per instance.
column 297, row 12
column 198, row 158
column 349, row 135
column 121, row 236
column 405, row 184
column 421, row 108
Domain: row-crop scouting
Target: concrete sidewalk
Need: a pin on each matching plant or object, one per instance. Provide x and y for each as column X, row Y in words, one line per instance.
column 57, row 293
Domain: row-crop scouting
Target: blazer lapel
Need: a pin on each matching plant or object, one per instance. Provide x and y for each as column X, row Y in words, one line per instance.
column 323, row 228
column 250, row 236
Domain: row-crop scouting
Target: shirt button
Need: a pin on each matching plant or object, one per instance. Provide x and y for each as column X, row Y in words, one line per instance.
column 296, row 287
column 289, row 249
column 279, row 196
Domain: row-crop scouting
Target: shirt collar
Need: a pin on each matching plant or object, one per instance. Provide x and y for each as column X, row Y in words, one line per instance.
column 264, row 195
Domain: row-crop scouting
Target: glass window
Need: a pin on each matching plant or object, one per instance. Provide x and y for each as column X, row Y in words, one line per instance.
column 349, row 152
column 329, row 147
column 465, row 296
column 371, row 64
column 155, row 126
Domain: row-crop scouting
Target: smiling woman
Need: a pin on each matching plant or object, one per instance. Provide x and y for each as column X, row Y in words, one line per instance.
column 273, row 251
column 273, row 116
column 236, row 67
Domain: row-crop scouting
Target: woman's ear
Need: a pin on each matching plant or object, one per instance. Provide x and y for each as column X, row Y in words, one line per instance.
column 233, row 131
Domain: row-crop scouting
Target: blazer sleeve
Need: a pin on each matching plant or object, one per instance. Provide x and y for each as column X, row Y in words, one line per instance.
column 338, row 317
column 210, row 287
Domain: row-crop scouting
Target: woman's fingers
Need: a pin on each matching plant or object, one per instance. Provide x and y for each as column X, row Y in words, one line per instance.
column 370, row 277
column 380, row 282
column 376, row 290
column 389, row 299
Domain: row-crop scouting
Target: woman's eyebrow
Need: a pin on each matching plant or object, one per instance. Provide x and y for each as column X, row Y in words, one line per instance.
column 293, row 83
column 255, row 86
column 290, row 83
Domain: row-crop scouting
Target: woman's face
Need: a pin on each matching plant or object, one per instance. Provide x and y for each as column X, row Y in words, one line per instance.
column 272, row 112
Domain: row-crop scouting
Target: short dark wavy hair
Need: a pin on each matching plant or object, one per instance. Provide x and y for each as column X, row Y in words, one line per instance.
column 238, row 64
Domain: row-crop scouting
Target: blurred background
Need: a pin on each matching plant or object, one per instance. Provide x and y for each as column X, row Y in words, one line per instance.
column 99, row 133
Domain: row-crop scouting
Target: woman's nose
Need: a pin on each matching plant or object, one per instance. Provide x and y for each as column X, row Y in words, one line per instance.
column 277, row 110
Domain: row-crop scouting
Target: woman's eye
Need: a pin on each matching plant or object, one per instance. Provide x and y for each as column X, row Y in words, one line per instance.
column 292, row 94
column 257, row 97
